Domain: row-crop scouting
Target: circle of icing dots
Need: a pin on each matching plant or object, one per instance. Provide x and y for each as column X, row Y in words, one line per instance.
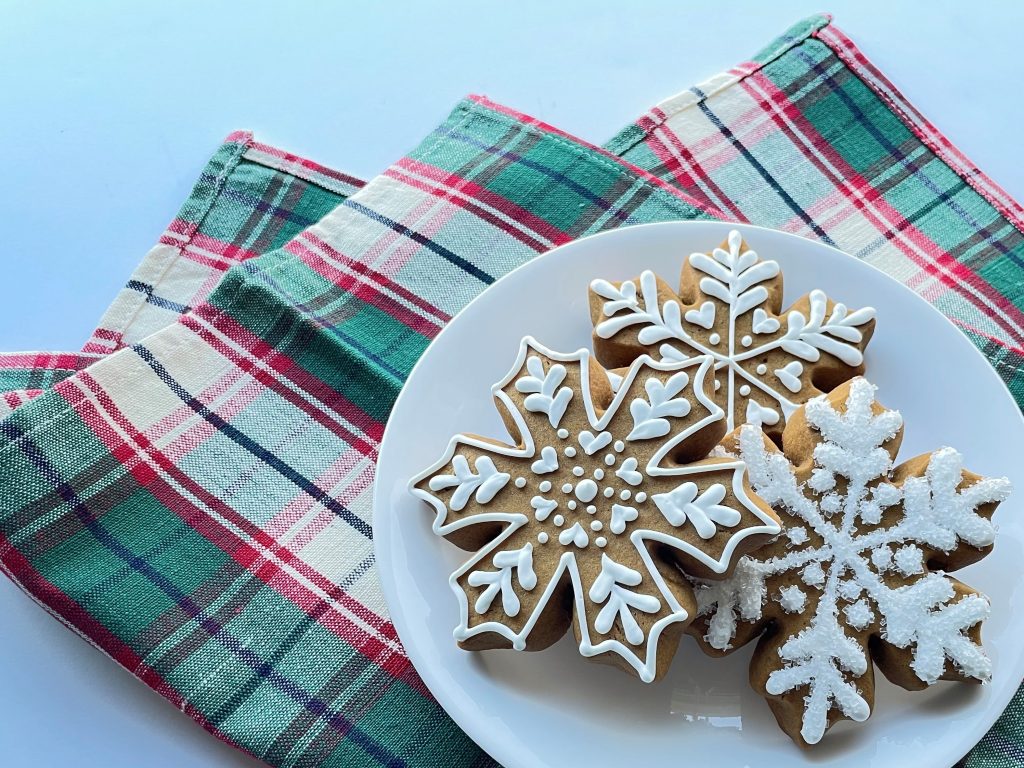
column 609, row 459
column 640, row 498
column 609, row 492
column 591, row 509
column 762, row 369
column 619, row 446
column 558, row 520
column 545, row 486
column 596, row 525
column 599, row 474
column 567, row 488
column 626, row 493
column 570, row 451
column 746, row 341
column 714, row 338
column 563, row 433
column 601, row 541
column 578, row 471
column 520, row 482
column 542, row 537
column 745, row 390
column 571, row 504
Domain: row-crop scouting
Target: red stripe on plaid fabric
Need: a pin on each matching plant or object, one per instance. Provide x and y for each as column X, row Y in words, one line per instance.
column 681, row 163
column 364, row 291
column 69, row 613
column 617, row 161
column 923, row 128
column 490, row 207
column 291, row 162
column 137, row 454
column 914, row 243
column 53, row 361
column 379, row 278
column 206, row 250
column 266, row 365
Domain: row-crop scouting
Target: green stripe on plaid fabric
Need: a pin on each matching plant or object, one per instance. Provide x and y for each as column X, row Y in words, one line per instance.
column 811, row 138
column 24, row 375
column 245, row 435
column 250, row 199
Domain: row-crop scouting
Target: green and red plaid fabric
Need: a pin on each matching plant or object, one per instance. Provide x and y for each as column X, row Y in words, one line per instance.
column 197, row 502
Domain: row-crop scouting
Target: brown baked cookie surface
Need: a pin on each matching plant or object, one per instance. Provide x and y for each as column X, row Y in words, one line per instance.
column 858, row 574
column 587, row 516
column 729, row 306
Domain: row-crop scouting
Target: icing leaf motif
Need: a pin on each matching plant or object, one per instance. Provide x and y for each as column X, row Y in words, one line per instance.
column 852, row 575
column 574, row 509
column 546, row 396
column 703, row 511
column 487, row 481
column 728, row 307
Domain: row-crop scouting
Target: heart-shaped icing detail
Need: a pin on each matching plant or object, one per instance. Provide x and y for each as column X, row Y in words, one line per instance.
column 542, row 507
column 620, row 516
column 575, row 535
column 627, row 471
column 789, row 375
column 764, row 324
column 548, row 461
column 591, row 443
column 757, row 414
column 704, row 317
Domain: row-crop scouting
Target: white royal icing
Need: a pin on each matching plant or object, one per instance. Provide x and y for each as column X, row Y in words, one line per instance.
column 738, row 280
column 572, row 513
column 846, row 568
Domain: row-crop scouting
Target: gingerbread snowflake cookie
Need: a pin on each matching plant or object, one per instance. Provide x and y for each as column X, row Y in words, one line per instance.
column 604, row 492
column 729, row 307
column 858, row 573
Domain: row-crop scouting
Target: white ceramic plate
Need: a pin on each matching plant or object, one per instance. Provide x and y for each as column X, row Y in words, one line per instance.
column 553, row 708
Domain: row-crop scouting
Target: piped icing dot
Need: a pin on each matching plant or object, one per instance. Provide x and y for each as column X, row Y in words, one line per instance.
column 745, row 390
column 609, row 492
column 567, row 488
column 520, row 482
column 563, row 433
column 640, row 498
column 545, row 486
column 718, row 385
column 599, row 474
column 714, row 338
column 542, row 537
column 609, row 459
column 570, row 504
column 625, row 494
column 601, row 541
column 570, row 451
column 591, row 509
column 762, row 369
column 596, row 525
column 578, row 471
column 746, row 341
column 586, row 490
column 619, row 446
column 558, row 520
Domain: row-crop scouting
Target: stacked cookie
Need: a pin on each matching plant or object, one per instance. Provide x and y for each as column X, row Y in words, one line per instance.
column 717, row 467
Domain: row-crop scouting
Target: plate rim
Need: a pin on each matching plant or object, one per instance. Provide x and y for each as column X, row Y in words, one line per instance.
column 382, row 523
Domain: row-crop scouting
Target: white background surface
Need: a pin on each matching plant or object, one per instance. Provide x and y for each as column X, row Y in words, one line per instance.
column 108, row 112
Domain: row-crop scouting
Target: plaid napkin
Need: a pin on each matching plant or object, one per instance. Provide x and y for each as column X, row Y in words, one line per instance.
column 196, row 503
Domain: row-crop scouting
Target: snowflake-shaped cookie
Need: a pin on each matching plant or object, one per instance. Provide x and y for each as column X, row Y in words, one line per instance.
column 728, row 307
column 859, row 570
column 604, row 493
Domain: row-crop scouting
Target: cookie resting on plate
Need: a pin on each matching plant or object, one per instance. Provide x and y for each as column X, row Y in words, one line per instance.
column 859, row 573
column 729, row 306
column 605, row 492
